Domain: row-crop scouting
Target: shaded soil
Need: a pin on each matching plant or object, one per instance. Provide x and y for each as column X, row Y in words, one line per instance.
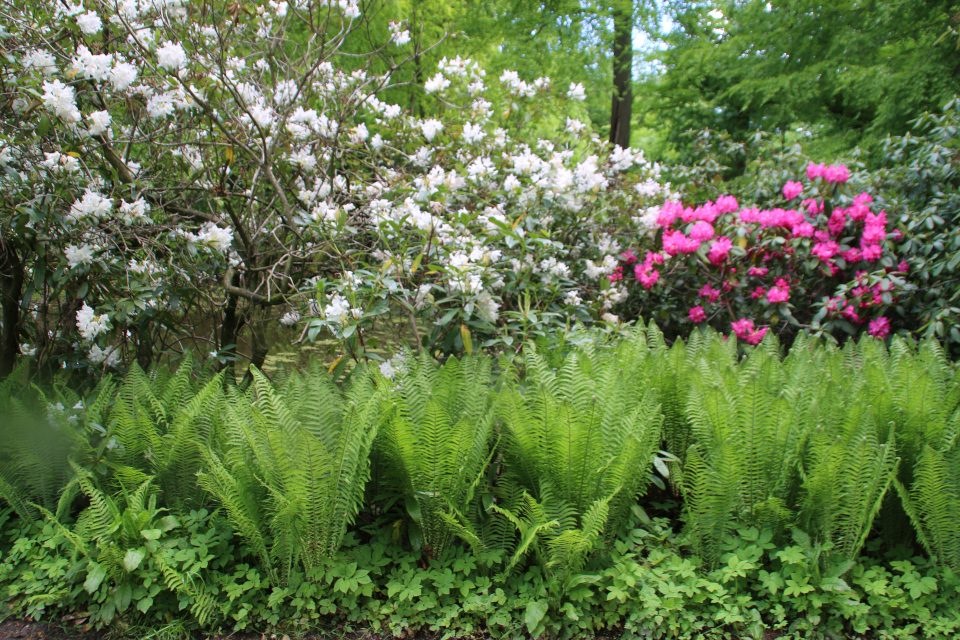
column 29, row 630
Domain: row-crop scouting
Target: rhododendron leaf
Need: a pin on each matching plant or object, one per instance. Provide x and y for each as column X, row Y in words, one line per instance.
column 467, row 339
column 335, row 363
column 44, row 126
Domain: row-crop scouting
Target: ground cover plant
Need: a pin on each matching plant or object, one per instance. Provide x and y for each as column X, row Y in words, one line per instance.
column 180, row 494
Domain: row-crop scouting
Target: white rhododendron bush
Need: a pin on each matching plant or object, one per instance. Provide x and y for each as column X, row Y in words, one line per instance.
column 185, row 175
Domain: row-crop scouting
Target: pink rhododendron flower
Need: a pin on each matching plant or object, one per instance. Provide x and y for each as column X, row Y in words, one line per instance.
column 707, row 212
column 903, row 267
column 864, row 198
column 756, row 337
column 628, row 257
column 813, row 207
column 778, row 294
column 701, row 231
column 758, row 293
column 653, row 258
column 850, row 313
column 751, row 215
column 616, row 276
column 727, row 204
column 647, row 277
column 851, row 256
column 668, row 213
column 825, row 250
column 708, row 292
column 675, row 242
column 880, row 328
column 719, row 250
column 871, row 252
column 837, row 221
column 742, row 328
column 816, row 170
column 803, row 230
column 758, row 272
column 838, row 173
column 697, row 315
column 858, row 212
column 792, row 189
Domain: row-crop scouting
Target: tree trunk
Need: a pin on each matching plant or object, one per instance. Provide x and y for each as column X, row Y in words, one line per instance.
column 11, row 290
column 258, row 343
column 230, row 331
column 621, row 108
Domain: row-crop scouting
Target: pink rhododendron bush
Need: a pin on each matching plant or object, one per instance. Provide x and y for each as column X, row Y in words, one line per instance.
column 825, row 261
column 185, row 176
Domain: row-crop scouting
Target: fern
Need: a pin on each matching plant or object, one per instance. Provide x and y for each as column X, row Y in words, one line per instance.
column 436, row 441
column 580, row 437
column 292, row 491
column 933, row 503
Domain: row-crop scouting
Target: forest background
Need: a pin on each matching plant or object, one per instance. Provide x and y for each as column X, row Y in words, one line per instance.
column 834, row 75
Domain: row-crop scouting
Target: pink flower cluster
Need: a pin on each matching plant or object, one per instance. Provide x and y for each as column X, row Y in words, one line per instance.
column 675, row 242
column 832, row 173
column 645, row 272
column 744, row 329
column 880, row 328
column 791, row 219
column 711, row 294
column 697, row 314
column 792, row 189
column 779, row 293
column 864, row 299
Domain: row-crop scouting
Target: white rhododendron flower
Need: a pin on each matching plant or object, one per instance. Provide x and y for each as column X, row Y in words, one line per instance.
column 399, row 35
column 42, row 61
column 99, row 122
column 87, row 64
column 61, row 100
column 215, row 237
column 134, row 211
column 77, row 256
column 574, row 126
column 57, row 162
column 91, row 205
column 436, row 83
column 90, row 23
column 431, row 128
column 160, row 106
column 473, row 133
column 123, row 75
column 171, row 56
column 108, row 357
column 576, row 91
column 90, row 324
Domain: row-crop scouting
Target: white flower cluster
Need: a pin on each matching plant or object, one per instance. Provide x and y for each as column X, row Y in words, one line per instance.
column 90, row 324
column 210, row 235
column 92, row 205
column 79, row 256
column 338, row 310
column 109, row 357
